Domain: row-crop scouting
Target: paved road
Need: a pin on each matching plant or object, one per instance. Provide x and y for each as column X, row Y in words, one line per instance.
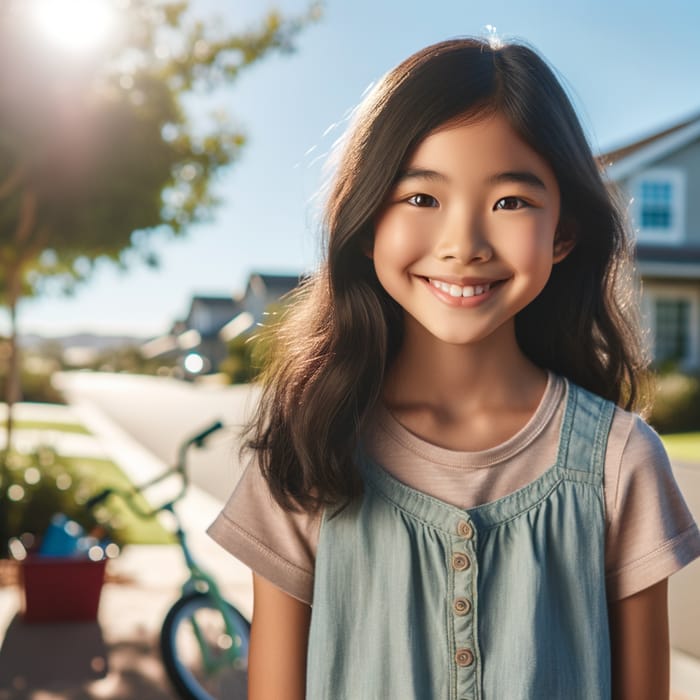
column 160, row 412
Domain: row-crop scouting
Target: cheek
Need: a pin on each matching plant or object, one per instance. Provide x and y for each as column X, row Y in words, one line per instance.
column 397, row 241
column 530, row 246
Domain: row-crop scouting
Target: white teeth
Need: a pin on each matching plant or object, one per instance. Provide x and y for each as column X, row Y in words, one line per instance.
column 454, row 290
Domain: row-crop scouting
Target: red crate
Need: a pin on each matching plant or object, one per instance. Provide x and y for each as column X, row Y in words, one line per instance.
column 58, row 589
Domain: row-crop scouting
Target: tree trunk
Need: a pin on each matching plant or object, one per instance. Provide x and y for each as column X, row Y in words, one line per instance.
column 13, row 388
column 13, row 277
column 12, row 396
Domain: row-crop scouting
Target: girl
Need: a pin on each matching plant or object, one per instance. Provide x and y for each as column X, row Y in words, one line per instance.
column 446, row 465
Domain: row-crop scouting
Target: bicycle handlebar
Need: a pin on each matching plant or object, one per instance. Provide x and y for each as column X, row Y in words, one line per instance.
column 180, row 468
column 94, row 500
column 198, row 440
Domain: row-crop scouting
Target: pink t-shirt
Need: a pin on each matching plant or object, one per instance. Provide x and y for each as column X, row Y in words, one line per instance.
column 650, row 532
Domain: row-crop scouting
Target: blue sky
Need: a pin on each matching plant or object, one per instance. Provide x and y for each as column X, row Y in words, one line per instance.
column 631, row 68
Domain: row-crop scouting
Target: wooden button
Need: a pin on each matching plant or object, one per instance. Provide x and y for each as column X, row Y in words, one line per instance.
column 461, row 606
column 464, row 657
column 460, row 561
column 465, row 529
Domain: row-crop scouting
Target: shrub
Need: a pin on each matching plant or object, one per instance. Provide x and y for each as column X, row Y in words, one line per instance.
column 677, row 403
column 41, row 484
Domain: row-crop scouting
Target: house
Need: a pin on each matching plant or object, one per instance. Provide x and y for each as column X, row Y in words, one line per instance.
column 659, row 176
column 262, row 291
column 212, row 321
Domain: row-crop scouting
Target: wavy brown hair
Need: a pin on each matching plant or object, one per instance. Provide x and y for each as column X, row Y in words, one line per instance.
column 341, row 331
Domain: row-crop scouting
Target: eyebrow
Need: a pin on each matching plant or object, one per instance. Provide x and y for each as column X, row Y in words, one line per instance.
column 421, row 173
column 523, row 177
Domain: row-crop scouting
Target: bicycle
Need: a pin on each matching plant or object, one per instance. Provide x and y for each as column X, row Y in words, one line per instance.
column 204, row 638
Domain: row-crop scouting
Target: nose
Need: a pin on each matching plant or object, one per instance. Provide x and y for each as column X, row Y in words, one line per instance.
column 462, row 238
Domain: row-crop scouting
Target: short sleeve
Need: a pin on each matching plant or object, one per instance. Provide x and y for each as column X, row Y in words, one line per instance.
column 651, row 533
column 277, row 544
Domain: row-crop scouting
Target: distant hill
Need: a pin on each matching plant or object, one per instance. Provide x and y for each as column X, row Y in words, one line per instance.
column 33, row 341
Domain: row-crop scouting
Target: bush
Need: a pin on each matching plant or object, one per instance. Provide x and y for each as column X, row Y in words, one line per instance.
column 41, row 484
column 677, row 403
column 245, row 358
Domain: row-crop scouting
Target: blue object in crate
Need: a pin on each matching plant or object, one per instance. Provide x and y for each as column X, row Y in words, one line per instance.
column 62, row 538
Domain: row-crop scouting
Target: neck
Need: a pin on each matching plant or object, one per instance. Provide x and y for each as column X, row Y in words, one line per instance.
column 490, row 373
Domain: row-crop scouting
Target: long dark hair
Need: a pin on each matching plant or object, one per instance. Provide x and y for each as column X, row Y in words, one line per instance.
column 341, row 331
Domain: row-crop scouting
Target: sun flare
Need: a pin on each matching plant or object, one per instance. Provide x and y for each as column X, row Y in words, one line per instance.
column 74, row 25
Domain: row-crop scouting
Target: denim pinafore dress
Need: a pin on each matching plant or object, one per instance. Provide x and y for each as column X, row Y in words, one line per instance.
column 415, row 599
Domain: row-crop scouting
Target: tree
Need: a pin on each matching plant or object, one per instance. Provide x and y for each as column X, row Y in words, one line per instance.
column 97, row 151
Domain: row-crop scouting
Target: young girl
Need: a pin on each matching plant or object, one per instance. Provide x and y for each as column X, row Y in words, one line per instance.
column 450, row 497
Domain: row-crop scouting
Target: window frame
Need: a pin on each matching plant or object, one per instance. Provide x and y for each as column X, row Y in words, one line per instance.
column 653, row 293
column 675, row 233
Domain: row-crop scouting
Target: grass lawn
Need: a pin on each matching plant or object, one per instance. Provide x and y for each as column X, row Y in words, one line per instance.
column 47, row 425
column 684, row 447
column 102, row 474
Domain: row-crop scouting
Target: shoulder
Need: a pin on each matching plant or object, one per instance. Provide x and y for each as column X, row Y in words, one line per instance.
column 637, row 463
column 650, row 531
column 278, row 544
column 636, row 456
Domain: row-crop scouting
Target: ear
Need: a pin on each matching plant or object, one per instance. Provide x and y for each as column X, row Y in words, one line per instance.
column 564, row 241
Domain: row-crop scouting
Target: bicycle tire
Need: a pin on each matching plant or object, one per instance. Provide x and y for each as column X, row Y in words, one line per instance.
column 182, row 656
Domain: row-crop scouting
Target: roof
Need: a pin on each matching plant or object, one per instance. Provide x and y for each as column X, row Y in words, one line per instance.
column 624, row 160
column 624, row 151
column 272, row 280
column 265, row 285
column 667, row 261
column 213, row 301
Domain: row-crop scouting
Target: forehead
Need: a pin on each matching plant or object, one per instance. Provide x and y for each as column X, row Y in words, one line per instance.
column 479, row 148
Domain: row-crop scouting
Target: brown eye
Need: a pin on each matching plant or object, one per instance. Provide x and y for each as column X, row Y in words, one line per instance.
column 511, row 203
column 422, row 200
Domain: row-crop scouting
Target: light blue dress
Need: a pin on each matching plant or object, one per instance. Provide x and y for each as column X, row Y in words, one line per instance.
column 417, row 599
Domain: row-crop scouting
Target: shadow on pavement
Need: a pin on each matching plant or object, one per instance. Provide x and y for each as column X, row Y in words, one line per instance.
column 76, row 663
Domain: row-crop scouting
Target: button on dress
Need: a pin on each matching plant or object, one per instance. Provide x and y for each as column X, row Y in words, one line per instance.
column 415, row 598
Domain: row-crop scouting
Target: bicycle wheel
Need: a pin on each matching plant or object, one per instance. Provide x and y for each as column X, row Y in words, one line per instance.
column 183, row 655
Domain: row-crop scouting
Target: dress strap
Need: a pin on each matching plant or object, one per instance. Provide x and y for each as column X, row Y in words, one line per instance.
column 584, row 432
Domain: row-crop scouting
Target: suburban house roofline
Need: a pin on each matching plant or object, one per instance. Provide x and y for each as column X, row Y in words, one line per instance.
column 626, row 160
column 676, row 271
column 668, row 253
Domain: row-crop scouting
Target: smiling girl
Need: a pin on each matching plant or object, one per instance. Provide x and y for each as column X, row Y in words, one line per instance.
column 451, row 496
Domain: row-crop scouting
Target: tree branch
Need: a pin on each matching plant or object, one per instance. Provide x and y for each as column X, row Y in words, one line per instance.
column 13, row 180
column 27, row 217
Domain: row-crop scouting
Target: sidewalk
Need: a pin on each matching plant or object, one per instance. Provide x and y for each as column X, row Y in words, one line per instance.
column 117, row 657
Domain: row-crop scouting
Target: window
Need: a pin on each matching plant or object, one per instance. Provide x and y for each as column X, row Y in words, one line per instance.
column 656, row 205
column 672, row 332
column 671, row 312
column 659, row 204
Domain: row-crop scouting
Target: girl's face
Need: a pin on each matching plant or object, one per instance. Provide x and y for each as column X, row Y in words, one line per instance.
column 467, row 238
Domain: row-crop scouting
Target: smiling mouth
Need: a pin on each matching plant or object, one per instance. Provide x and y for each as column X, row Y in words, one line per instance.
column 456, row 290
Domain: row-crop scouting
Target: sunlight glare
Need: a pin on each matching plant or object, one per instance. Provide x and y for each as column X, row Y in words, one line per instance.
column 74, row 25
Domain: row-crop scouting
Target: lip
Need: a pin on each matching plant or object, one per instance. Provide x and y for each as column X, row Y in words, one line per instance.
column 463, row 302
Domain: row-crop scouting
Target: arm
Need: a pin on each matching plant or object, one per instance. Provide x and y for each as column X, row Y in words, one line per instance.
column 278, row 639
column 640, row 645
